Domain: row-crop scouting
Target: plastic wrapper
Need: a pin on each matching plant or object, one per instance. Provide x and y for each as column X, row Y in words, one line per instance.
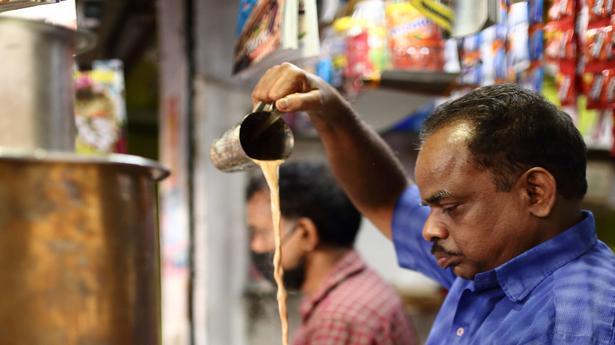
column 518, row 38
column 600, row 8
column 536, row 11
column 560, row 9
column 366, row 48
column 471, row 63
column 492, row 56
column 333, row 60
column 100, row 108
column 598, row 42
column 357, row 53
column 599, row 88
column 536, row 33
column 415, row 42
column 370, row 16
column 534, row 77
column 565, row 80
column 245, row 9
column 560, row 40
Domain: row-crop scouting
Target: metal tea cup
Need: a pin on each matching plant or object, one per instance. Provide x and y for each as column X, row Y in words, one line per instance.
column 261, row 135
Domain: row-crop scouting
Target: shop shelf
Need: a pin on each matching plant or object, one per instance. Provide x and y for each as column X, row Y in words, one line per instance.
column 420, row 82
column 9, row 5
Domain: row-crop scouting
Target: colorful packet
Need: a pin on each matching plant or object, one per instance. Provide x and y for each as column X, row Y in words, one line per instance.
column 536, row 42
column 599, row 86
column 561, row 9
column 593, row 86
column 566, row 83
column 518, row 38
column 560, row 41
column 534, row 77
column 598, row 42
column 536, row 11
column 471, row 66
column 415, row 41
column 599, row 8
column 487, row 55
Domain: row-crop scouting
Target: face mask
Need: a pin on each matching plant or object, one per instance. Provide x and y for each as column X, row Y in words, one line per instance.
column 293, row 277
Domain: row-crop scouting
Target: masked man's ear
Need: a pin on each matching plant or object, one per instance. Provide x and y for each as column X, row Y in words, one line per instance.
column 309, row 234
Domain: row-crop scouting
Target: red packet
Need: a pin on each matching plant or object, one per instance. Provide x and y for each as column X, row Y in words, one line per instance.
column 599, row 86
column 608, row 94
column 598, row 41
column 599, row 8
column 560, row 9
column 560, row 42
column 566, row 83
column 593, row 86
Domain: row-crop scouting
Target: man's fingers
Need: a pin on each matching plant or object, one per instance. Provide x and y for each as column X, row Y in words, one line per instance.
column 289, row 82
column 260, row 93
column 280, row 81
column 300, row 102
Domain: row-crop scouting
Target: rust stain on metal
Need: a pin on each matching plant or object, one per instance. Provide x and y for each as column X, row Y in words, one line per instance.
column 79, row 259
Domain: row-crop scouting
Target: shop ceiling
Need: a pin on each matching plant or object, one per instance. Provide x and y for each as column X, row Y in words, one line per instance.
column 124, row 28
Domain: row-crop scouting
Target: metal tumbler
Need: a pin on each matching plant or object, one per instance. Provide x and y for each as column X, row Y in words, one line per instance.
column 261, row 135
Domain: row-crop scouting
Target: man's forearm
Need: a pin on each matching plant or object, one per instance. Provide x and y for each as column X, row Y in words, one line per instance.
column 363, row 163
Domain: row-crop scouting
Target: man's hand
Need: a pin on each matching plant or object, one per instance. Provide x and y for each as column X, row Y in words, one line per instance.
column 361, row 161
column 293, row 89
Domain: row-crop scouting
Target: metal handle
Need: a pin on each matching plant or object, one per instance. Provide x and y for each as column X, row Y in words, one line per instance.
column 275, row 116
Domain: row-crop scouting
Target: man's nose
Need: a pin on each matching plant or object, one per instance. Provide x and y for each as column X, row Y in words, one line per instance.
column 258, row 245
column 434, row 229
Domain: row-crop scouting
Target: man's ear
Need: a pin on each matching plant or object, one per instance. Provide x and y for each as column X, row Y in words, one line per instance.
column 540, row 190
column 309, row 233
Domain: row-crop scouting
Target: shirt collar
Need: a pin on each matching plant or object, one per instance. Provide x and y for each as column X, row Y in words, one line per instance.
column 349, row 265
column 519, row 276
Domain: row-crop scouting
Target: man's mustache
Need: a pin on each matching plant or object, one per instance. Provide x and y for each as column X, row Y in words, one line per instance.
column 437, row 248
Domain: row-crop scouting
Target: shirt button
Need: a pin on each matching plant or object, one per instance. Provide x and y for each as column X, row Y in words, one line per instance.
column 460, row 331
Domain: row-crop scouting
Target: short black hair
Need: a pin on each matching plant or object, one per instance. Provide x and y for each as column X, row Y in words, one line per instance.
column 308, row 189
column 515, row 129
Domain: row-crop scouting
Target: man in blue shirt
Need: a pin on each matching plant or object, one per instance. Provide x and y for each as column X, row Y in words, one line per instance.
column 496, row 217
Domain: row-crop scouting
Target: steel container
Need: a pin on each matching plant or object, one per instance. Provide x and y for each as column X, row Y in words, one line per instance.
column 36, row 92
column 79, row 250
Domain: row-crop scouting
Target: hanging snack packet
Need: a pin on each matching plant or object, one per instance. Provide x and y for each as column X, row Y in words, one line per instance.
column 534, row 77
column 499, row 47
column 359, row 64
column 560, row 42
column 599, row 8
column 488, row 55
column 415, row 41
column 471, row 66
column 536, row 42
column 560, row 9
column 566, row 83
column 593, row 86
column 598, row 41
column 608, row 95
column 536, row 9
column 599, row 86
column 518, row 39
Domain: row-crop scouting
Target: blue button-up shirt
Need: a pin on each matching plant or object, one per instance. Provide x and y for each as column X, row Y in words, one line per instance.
column 559, row 292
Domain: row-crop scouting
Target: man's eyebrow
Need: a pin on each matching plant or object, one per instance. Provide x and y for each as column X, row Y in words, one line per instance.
column 436, row 198
column 252, row 228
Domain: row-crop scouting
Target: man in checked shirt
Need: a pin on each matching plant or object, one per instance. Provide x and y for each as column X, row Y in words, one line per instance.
column 344, row 301
column 495, row 215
